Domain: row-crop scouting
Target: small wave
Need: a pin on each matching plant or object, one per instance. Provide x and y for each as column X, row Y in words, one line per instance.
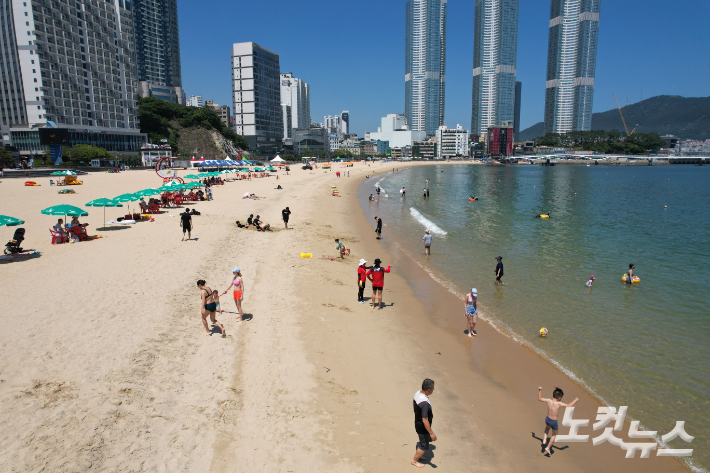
column 433, row 228
column 382, row 189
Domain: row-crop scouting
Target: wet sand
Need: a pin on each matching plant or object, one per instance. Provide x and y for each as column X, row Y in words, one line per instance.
column 104, row 367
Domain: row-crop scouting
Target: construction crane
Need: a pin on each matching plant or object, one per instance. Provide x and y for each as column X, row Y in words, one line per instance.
column 622, row 117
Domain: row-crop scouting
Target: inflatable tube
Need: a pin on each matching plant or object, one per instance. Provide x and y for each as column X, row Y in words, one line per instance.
column 544, row 216
column 634, row 280
column 470, row 199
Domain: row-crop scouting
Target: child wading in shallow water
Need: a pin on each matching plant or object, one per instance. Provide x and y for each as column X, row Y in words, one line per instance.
column 553, row 407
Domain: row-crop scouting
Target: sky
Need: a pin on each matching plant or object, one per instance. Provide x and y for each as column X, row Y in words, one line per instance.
column 352, row 53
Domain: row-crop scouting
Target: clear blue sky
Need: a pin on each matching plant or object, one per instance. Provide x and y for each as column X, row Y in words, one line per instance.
column 352, row 53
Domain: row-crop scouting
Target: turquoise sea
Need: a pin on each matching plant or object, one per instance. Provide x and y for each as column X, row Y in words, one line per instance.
column 646, row 346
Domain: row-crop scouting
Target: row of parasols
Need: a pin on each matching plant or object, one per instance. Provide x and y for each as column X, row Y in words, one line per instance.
column 104, row 202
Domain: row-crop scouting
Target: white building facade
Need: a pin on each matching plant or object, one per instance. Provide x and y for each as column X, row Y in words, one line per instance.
column 195, row 101
column 452, row 142
column 295, row 104
column 256, row 92
column 394, row 128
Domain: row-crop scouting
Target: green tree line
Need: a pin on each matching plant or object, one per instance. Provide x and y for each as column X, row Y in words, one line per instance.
column 607, row 142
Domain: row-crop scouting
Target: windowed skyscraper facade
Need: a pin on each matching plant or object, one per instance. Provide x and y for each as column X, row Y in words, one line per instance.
column 571, row 61
column 157, row 42
column 494, row 58
column 425, row 65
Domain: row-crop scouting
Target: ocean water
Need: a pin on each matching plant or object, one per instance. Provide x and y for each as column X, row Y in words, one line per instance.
column 645, row 346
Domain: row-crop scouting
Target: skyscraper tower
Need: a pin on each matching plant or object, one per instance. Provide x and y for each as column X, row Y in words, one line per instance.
column 157, row 42
column 425, row 65
column 571, row 60
column 494, row 56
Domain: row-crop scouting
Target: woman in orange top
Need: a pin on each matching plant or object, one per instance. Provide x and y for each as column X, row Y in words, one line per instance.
column 238, row 284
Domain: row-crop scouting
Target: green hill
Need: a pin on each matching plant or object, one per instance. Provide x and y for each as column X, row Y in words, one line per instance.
column 685, row 117
column 189, row 130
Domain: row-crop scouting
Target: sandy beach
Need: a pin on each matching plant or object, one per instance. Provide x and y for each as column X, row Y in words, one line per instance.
column 105, row 368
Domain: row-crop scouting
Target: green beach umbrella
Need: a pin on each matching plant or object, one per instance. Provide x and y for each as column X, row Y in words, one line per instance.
column 104, row 202
column 171, row 184
column 65, row 210
column 147, row 192
column 127, row 198
column 63, row 173
column 10, row 221
column 192, row 176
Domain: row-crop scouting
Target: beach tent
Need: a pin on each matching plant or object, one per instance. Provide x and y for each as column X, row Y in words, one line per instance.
column 277, row 159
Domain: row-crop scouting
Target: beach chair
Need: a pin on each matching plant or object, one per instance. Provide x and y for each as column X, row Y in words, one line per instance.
column 57, row 237
column 79, row 232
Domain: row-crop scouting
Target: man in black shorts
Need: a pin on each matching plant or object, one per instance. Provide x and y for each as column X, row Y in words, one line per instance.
column 286, row 213
column 423, row 417
column 499, row 269
column 378, row 230
column 186, row 222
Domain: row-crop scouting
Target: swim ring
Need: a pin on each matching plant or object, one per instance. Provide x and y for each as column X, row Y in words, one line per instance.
column 544, row 216
column 635, row 279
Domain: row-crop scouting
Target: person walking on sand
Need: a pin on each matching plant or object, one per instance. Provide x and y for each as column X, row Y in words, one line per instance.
column 499, row 269
column 426, row 241
column 209, row 307
column 361, row 278
column 471, row 311
column 376, row 275
column 238, row 284
column 186, row 222
column 286, row 214
column 423, row 417
column 553, row 407
column 378, row 230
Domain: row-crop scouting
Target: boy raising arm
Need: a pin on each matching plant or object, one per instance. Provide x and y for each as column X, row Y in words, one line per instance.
column 553, row 407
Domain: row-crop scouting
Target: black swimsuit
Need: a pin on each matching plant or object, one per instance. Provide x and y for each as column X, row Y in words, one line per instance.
column 212, row 306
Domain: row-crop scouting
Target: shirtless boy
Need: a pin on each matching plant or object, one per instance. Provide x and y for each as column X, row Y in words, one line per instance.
column 553, row 407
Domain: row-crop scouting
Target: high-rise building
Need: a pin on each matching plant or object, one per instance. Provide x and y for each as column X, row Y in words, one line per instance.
column 571, row 61
column 155, row 25
column 425, row 65
column 257, row 98
column 194, row 101
column 295, row 104
column 494, row 58
column 71, row 64
column 516, row 115
column 345, row 122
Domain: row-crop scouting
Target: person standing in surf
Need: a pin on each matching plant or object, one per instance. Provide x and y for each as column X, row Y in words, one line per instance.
column 470, row 302
column 426, row 241
column 499, row 269
column 378, row 230
column 630, row 274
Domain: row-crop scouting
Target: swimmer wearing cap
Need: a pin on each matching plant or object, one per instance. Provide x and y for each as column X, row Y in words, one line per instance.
column 470, row 302
column 237, row 283
column 590, row 282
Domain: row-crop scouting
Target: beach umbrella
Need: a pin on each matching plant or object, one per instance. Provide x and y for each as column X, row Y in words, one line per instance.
column 171, row 184
column 147, row 192
column 63, row 173
column 104, row 202
column 10, row 221
column 128, row 198
column 65, row 210
column 192, row 176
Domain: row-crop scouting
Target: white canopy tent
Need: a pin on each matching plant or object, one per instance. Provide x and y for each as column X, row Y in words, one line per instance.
column 277, row 159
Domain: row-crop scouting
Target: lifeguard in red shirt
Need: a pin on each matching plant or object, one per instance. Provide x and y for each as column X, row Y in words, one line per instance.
column 376, row 275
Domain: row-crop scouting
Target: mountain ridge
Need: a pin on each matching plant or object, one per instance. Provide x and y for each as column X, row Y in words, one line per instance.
column 685, row 117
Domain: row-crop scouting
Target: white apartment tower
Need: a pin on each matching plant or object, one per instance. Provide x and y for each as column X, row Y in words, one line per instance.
column 295, row 104
column 494, row 58
column 258, row 116
column 72, row 63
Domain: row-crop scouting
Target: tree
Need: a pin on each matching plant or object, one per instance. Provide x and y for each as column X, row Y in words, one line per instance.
column 6, row 157
column 83, row 154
